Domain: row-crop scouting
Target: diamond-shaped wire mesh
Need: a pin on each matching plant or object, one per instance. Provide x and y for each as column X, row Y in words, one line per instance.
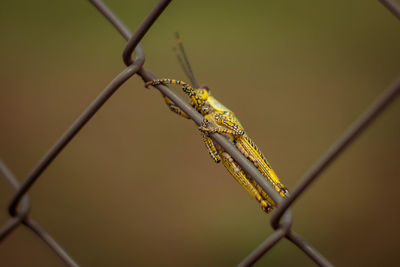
column 281, row 220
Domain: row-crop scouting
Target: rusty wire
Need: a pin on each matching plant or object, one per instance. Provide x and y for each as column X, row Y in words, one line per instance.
column 281, row 220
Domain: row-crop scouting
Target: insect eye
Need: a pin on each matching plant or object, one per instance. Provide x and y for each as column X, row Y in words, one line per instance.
column 205, row 87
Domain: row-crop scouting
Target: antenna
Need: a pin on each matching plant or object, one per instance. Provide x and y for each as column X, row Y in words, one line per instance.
column 187, row 69
column 189, row 75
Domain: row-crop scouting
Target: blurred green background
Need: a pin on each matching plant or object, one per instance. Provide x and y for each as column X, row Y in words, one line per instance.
column 136, row 186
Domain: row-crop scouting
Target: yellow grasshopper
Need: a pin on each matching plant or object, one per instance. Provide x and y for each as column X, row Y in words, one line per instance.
column 220, row 119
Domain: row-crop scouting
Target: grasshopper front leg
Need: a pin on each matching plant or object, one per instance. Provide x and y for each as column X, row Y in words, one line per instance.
column 168, row 101
column 223, row 129
column 175, row 108
column 185, row 87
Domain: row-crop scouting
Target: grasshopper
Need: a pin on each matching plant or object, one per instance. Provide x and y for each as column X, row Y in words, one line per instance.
column 220, row 119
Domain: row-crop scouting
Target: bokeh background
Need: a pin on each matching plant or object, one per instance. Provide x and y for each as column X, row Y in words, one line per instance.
column 136, row 186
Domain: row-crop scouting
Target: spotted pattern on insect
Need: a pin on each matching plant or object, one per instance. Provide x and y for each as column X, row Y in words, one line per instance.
column 219, row 119
column 211, row 149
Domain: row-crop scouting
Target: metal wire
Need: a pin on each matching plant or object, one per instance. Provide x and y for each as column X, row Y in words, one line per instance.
column 282, row 218
column 393, row 6
column 22, row 217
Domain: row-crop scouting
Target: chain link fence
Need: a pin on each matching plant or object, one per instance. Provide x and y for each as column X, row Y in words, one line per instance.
column 281, row 219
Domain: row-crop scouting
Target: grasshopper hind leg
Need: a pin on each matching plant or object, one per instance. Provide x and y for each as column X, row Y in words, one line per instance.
column 245, row 182
column 247, row 155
